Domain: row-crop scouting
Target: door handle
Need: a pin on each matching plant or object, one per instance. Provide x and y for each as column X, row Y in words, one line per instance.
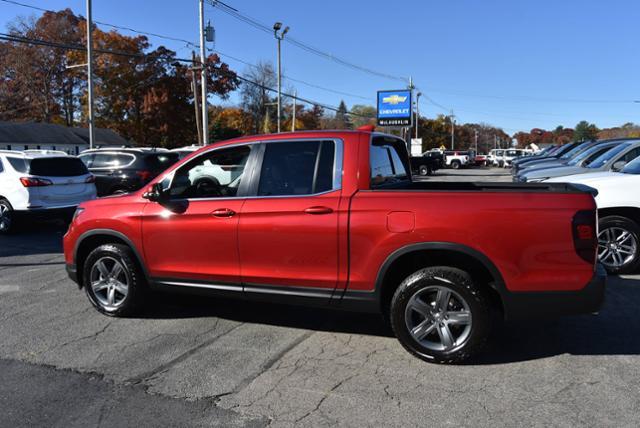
column 223, row 212
column 318, row 210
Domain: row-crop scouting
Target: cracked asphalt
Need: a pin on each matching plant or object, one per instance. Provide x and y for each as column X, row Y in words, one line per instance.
column 191, row 361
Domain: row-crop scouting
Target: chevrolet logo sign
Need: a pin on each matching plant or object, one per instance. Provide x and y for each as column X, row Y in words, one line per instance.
column 394, row 99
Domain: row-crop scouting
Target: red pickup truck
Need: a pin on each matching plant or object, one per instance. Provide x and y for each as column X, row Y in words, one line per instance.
column 333, row 218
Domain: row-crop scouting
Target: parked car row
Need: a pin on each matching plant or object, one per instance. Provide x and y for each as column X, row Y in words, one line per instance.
column 51, row 184
column 612, row 168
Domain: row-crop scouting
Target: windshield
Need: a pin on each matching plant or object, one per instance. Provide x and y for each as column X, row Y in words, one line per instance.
column 590, row 154
column 608, row 155
column 632, row 167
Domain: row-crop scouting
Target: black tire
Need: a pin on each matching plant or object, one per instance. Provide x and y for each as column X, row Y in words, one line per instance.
column 616, row 223
column 7, row 217
column 472, row 336
column 423, row 170
column 455, row 164
column 136, row 287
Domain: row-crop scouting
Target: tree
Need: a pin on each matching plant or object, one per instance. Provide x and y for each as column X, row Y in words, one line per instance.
column 34, row 81
column 585, row 131
column 256, row 98
column 311, row 119
column 341, row 119
column 363, row 115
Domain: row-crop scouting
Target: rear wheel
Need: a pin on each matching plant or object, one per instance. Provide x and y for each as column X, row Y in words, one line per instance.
column 113, row 281
column 6, row 217
column 439, row 315
column 619, row 244
column 424, row 170
column 455, row 164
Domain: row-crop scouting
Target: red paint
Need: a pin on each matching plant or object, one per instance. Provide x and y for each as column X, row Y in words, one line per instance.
column 341, row 239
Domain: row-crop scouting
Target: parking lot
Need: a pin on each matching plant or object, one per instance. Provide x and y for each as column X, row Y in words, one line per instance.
column 199, row 362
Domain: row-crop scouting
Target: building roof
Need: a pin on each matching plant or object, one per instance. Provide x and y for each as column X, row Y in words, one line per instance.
column 49, row 133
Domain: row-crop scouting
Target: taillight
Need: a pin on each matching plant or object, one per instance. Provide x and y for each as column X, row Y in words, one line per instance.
column 144, row 175
column 585, row 235
column 35, row 182
column 90, row 179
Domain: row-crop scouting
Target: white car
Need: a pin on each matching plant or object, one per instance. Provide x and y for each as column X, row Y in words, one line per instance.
column 510, row 154
column 41, row 183
column 186, row 150
column 455, row 159
column 618, row 203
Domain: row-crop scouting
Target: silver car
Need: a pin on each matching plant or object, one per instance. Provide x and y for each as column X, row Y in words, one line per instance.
column 613, row 159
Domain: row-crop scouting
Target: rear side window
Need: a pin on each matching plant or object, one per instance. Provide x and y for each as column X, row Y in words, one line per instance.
column 19, row 164
column 87, row 160
column 161, row 161
column 387, row 166
column 112, row 160
column 297, row 168
column 57, row 167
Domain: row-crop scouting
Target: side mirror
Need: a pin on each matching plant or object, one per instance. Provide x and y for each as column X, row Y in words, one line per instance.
column 618, row 166
column 156, row 193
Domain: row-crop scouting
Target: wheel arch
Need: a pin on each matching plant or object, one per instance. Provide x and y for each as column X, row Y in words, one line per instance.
column 406, row 260
column 92, row 239
column 632, row 213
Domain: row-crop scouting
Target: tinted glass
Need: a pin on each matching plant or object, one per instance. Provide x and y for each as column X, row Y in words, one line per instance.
column 576, row 150
column 386, row 164
column 87, row 160
column 112, row 160
column 608, row 155
column 57, row 167
column 1, row 168
column 631, row 155
column 161, row 161
column 289, row 168
column 217, row 173
column 632, row 167
column 325, row 174
column 19, row 164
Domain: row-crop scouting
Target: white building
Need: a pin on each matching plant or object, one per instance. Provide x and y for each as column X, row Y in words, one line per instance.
column 47, row 136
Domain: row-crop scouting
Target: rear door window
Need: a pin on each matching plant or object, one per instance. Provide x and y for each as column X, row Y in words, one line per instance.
column 297, row 168
column 19, row 164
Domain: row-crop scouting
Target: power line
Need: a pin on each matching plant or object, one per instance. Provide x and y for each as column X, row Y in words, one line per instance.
column 292, row 40
column 39, row 42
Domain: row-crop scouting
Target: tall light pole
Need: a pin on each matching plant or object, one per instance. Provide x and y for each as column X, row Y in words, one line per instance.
column 293, row 120
column 417, row 112
column 279, row 36
column 453, row 129
column 203, row 77
column 90, row 73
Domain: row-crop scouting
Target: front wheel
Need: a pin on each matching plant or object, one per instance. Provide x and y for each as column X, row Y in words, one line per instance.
column 439, row 315
column 113, row 281
column 619, row 244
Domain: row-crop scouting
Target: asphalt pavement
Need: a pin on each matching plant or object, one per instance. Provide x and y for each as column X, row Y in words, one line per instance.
column 190, row 361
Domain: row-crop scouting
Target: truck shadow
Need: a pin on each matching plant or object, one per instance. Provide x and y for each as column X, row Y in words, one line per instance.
column 614, row 331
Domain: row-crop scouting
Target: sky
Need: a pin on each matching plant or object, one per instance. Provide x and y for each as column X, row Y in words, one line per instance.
column 516, row 64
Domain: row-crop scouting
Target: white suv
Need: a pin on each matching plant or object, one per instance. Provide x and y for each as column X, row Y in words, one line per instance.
column 42, row 183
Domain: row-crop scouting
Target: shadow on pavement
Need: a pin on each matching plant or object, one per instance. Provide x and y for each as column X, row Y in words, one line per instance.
column 36, row 237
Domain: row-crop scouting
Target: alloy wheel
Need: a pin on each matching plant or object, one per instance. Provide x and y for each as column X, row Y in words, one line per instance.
column 616, row 247
column 5, row 218
column 438, row 318
column 109, row 282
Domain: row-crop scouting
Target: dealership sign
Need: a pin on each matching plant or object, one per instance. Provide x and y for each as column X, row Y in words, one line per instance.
column 394, row 108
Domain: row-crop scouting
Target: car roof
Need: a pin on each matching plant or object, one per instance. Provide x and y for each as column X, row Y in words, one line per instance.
column 33, row 154
column 126, row 150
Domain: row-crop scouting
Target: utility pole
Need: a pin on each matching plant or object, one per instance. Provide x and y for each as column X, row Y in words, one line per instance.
column 293, row 121
column 476, row 138
column 196, row 101
column 203, row 77
column 279, row 36
column 417, row 112
column 453, row 129
column 90, row 74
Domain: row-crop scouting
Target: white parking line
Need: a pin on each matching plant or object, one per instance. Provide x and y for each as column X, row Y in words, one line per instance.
column 8, row 288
